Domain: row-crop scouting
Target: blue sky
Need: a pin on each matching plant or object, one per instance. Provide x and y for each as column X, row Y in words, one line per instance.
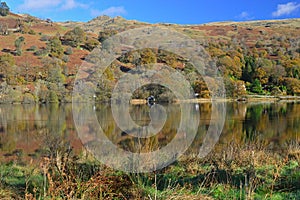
column 155, row 11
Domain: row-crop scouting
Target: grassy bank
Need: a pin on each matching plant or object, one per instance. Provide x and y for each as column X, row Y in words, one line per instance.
column 231, row 172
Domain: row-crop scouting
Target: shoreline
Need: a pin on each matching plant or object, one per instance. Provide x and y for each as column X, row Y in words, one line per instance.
column 246, row 99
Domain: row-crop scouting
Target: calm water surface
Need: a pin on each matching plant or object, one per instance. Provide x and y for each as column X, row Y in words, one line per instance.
column 28, row 129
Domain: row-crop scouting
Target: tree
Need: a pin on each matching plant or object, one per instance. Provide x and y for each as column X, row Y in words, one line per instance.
column 292, row 67
column 91, row 43
column 4, row 9
column 292, row 85
column 248, row 71
column 55, row 48
column 74, row 37
column 230, row 66
column 6, row 62
column 55, row 74
column 103, row 35
column 256, row 87
column 262, row 75
column 277, row 74
column 234, row 88
column 201, row 88
column 53, row 98
column 19, row 44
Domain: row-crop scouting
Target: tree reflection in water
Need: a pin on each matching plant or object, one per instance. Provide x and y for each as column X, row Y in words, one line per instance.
column 29, row 129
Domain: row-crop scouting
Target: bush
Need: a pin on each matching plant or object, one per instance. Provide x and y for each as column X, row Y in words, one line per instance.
column 74, row 37
column 55, row 74
column 256, row 87
column 43, row 92
column 276, row 91
column 103, row 35
column 55, row 48
column 18, row 44
column 41, row 52
column 69, row 51
column 32, row 48
column 65, row 58
column 53, row 98
column 148, row 56
column 18, row 52
column 234, row 88
column 28, row 99
column 45, row 38
column 14, row 95
column 31, row 32
column 292, row 86
column 7, row 60
column 91, row 43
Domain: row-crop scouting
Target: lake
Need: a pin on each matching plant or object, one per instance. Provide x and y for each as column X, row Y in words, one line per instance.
column 27, row 130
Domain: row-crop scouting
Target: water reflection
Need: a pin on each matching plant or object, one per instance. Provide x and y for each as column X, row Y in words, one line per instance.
column 140, row 115
column 29, row 128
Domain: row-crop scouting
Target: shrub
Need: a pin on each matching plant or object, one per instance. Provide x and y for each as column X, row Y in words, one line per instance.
column 28, row 99
column 45, row 38
column 91, row 43
column 65, row 58
column 18, row 44
column 7, row 60
column 103, row 35
column 32, row 48
column 148, row 57
column 14, row 95
column 41, row 52
column 55, row 48
column 53, row 98
column 55, row 74
column 276, row 91
column 69, row 51
column 292, row 85
column 43, row 93
column 74, row 37
column 18, row 52
column 256, row 87
column 31, row 32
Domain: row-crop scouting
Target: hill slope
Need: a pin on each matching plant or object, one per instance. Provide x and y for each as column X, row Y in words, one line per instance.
column 39, row 58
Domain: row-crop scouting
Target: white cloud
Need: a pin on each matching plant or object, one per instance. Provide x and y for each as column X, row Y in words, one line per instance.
column 286, row 9
column 71, row 4
column 50, row 4
column 244, row 16
column 37, row 5
column 112, row 11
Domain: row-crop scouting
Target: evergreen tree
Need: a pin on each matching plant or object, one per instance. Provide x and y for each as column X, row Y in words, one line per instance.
column 4, row 9
column 256, row 87
column 249, row 69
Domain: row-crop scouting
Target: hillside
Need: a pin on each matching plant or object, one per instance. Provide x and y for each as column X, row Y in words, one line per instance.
column 104, row 23
column 39, row 59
